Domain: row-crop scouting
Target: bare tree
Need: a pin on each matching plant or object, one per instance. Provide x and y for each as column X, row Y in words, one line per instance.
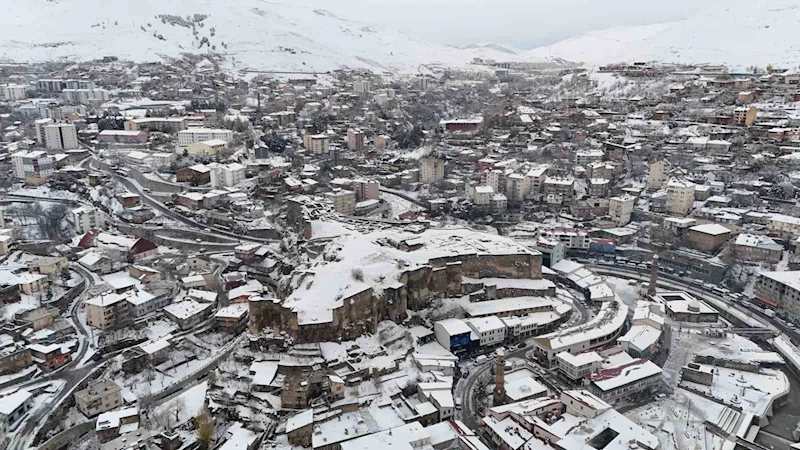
column 204, row 427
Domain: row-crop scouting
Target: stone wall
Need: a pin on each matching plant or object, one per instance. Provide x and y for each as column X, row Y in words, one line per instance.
column 415, row 290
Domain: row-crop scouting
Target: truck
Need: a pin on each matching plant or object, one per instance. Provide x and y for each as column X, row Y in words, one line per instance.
column 769, row 313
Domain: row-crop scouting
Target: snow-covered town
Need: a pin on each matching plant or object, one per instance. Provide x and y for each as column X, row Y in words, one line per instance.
column 486, row 252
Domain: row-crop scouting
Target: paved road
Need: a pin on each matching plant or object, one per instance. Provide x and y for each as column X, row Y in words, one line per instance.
column 155, row 204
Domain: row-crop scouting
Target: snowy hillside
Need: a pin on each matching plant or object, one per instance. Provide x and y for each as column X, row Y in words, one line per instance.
column 259, row 34
column 737, row 32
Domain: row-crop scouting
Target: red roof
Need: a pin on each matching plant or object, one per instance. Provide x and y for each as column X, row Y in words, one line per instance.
column 87, row 241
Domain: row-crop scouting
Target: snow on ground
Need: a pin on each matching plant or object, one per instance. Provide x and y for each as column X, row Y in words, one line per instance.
column 45, row 192
column 679, row 421
column 399, row 205
column 250, row 33
column 189, row 402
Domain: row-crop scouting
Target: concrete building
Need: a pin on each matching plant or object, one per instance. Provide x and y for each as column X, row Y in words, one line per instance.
column 13, row 407
column 366, row 190
column 206, row 148
column 680, row 197
column 60, row 136
column 578, row 366
column 33, row 167
column 12, row 92
column 106, row 310
column 617, row 383
column 431, row 170
column 361, row 86
column 756, row 247
column 226, row 175
column 561, row 187
column 316, row 143
column 355, row 139
column 620, row 209
column 490, row 330
column 779, row 290
column 163, row 124
column 708, row 237
column 655, row 177
column 344, row 202
column 99, row 397
column 85, row 218
column 193, row 135
column 744, row 116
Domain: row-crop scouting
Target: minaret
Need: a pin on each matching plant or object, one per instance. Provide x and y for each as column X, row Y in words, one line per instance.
column 651, row 290
column 500, row 377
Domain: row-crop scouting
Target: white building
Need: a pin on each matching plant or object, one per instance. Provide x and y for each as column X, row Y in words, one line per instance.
column 85, row 218
column 431, row 170
column 61, row 136
column 680, row 196
column 620, row 209
column 12, row 92
column 490, row 329
column 482, row 196
column 192, row 135
column 32, row 166
column 85, row 95
column 361, row 86
column 226, row 175
column 13, row 407
column 39, row 125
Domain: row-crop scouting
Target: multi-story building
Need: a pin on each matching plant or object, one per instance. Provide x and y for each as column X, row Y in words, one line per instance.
column 355, row 139
column 366, row 189
column 361, row 86
column 578, row 366
column 755, row 247
column 560, row 186
column 620, row 209
column 163, row 124
column 482, row 196
column 192, row 135
column 784, row 225
column 106, row 310
column 597, row 187
column 226, row 175
column 431, row 170
column 680, row 197
column 744, row 116
column 552, row 251
column 316, row 143
column 490, row 330
column 708, row 237
column 655, row 178
column 12, row 92
column 586, row 156
column 99, row 397
column 13, row 408
column 207, row 148
column 517, row 187
column 779, row 290
column 344, row 202
column 537, row 177
column 33, row 167
column 85, row 218
column 60, row 136
column 616, row 383
column 39, row 125
column 75, row 96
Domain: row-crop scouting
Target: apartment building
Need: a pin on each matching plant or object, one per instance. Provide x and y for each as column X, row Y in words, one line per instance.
column 163, row 124
column 536, row 178
column 33, row 167
column 81, row 96
column 744, row 116
column 560, row 186
column 355, row 139
column 85, row 218
column 99, row 396
column 106, row 310
column 12, row 92
column 708, row 237
column 655, row 177
column 431, row 170
column 584, row 157
column 680, row 197
column 755, row 247
column 779, row 290
column 366, row 190
column 316, row 143
column 615, row 384
column 38, row 126
column 226, row 175
column 60, row 136
column 361, row 86
column 620, row 209
column 784, row 225
column 344, row 202
column 578, row 366
column 193, row 135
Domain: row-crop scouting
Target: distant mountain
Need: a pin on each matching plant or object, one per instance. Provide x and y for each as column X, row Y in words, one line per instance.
column 495, row 47
column 259, row 34
column 736, row 32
